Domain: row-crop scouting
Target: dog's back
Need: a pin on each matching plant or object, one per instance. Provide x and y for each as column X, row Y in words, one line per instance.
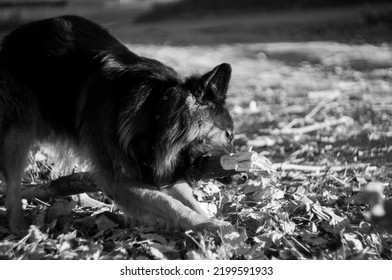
column 55, row 57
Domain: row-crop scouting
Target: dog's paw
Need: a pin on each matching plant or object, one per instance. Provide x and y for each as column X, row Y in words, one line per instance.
column 200, row 223
column 212, row 225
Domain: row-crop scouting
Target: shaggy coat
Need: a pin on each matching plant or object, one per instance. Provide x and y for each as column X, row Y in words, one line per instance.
column 142, row 125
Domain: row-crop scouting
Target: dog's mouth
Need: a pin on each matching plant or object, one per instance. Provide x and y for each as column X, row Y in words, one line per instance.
column 206, row 165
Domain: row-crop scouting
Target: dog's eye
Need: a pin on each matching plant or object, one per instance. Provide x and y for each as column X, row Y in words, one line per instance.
column 229, row 135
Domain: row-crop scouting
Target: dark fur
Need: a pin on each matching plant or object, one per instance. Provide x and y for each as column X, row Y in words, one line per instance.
column 139, row 122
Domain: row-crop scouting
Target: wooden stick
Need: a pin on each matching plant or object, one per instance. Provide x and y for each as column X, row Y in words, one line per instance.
column 67, row 185
column 314, row 111
column 315, row 169
column 322, row 104
column 314, row 127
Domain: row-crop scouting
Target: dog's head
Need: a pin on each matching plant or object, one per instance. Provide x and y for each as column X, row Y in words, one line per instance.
column 196, row 122
column 211, row 127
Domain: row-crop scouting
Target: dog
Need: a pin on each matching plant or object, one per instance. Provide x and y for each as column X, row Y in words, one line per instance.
column 67, row 79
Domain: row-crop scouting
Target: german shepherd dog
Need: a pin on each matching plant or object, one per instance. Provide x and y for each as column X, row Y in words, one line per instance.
column 141, row 125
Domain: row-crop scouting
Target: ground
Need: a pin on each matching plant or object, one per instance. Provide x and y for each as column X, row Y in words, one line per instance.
column 319, row 110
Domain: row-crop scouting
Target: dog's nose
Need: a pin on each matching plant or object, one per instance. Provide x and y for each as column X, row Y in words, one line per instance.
column 243, row 178
column 240, row 178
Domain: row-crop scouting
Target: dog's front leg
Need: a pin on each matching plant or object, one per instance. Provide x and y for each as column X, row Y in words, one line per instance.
column 183, row 192
column 145, row 203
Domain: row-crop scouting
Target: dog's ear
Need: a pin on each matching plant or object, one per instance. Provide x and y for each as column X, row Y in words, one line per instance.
column 214, row 84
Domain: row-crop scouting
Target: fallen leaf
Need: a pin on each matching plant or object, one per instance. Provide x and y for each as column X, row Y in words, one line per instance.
column 234, row 238
column 353, row 242
column 35, row 235
column 89, row 251
column 258, row 215
column 154, row 237
column 268, row 192
column 304, row 200
column 286, row 254
column 326, row 213
column 157, row 254
column 169, row 251
column 314, row 239
column 194, row 255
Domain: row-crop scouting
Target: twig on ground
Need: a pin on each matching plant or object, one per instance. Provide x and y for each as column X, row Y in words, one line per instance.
column 321, row 104
column 314, row 127
column 314, row 111
column 315, row 169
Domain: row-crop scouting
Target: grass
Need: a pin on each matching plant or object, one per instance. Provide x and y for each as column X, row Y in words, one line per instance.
column 298, row 213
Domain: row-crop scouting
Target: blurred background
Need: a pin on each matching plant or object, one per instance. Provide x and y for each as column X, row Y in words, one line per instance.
column 218, row 21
